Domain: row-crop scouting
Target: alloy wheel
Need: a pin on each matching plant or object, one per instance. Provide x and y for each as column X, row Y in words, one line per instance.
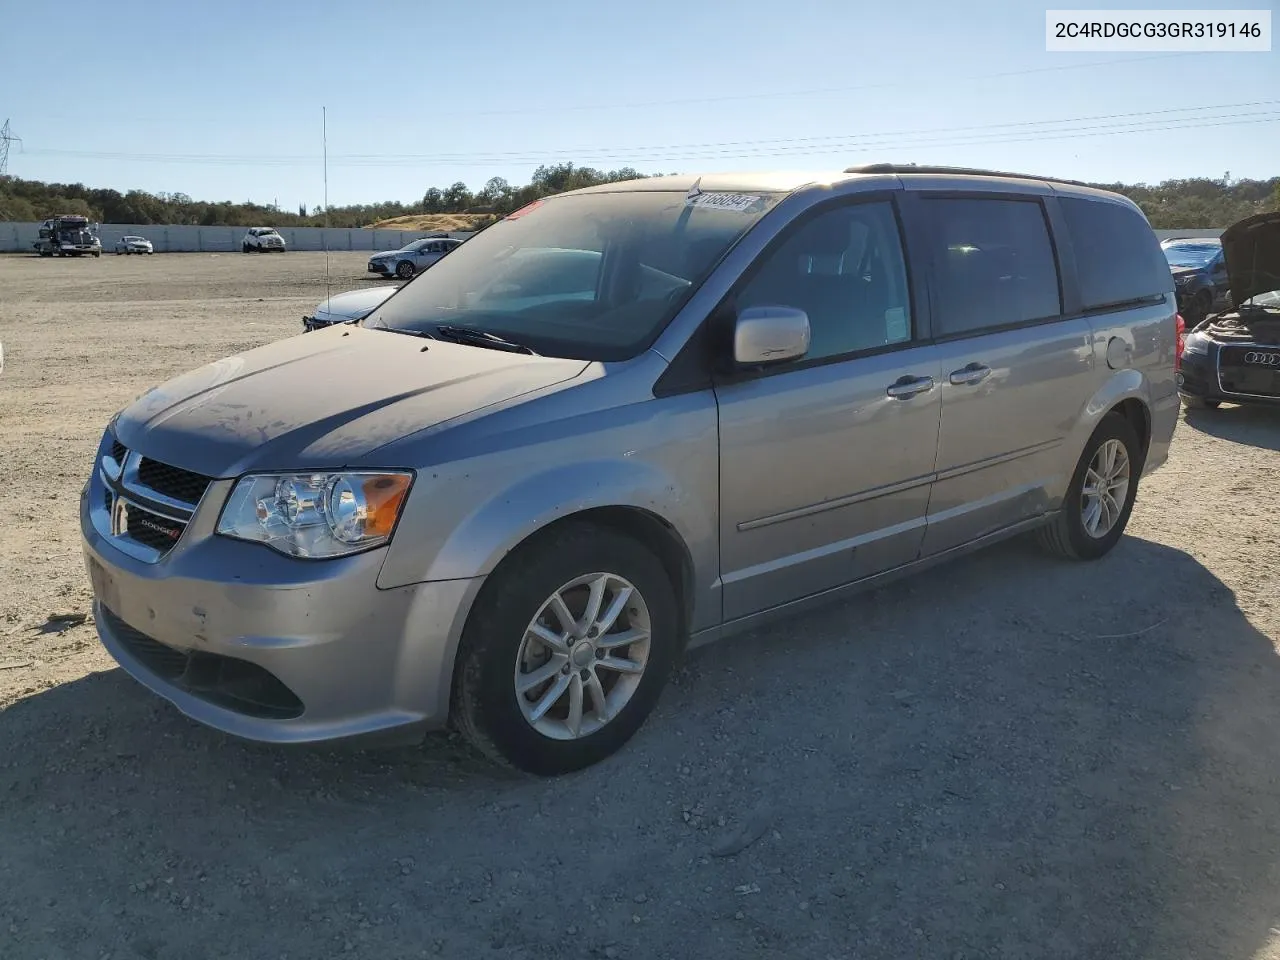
column 1106, row 488
column 582, row 656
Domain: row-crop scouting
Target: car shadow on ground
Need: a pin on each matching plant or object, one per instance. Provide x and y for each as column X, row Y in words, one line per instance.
column 1255, row 426
column 1006, row 757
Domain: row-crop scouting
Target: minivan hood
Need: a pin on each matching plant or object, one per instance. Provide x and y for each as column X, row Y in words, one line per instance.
column 1251, row 249
column 323, row 399
column 355, row 303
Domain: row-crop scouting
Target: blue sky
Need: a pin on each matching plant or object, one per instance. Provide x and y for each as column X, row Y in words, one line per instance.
column 223, row 100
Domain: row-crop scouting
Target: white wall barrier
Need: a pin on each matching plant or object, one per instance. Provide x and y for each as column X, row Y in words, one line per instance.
column 21, row 237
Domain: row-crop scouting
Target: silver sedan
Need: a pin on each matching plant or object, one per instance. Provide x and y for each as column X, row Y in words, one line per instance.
column 410, row 259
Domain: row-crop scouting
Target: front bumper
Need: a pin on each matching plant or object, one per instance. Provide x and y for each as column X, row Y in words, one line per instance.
column 380, row 268
column 270, row 648
column 1200, row 377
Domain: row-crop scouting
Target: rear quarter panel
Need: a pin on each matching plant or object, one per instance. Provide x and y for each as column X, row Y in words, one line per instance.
column 1134, row 355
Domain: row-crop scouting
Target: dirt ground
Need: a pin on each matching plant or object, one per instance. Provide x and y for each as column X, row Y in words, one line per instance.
column 1008, row 757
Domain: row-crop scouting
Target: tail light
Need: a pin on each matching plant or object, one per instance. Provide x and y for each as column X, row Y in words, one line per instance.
column 1180, row 332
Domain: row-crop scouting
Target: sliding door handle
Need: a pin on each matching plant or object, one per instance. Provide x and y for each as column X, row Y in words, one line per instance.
column 973, row 373
column 906, row 387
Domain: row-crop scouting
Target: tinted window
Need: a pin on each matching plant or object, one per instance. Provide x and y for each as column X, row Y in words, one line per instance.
column 994, row 264
column 844, row 268
column 1118, row 257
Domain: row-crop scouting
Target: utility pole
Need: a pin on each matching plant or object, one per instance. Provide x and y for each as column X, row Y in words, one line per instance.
column 6, row 137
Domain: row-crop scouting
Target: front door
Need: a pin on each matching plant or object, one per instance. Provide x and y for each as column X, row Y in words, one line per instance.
column 826, row 461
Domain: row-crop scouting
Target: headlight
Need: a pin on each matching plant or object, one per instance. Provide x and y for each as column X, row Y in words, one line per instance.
column 316, row 515
column 1195, row 343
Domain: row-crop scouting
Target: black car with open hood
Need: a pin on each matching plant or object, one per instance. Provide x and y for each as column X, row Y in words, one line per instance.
column 1235, row 356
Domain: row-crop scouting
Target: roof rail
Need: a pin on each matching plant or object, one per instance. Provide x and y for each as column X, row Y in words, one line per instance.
column 957, row 171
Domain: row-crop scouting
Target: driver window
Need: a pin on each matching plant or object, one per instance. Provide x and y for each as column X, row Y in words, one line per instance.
column 844, row 269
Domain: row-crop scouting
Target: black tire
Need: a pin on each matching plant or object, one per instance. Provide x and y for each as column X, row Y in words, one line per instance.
column 1200, row 403
column 404, row 270
column 1201, row 304
column 244, row 248
column 485, row 706
column 1066, row 536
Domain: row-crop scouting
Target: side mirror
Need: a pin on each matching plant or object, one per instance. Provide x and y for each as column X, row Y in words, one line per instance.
column 770, row 334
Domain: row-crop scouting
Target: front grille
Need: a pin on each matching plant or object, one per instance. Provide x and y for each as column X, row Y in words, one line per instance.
column 172, row 481
column 1238, row 375
column 233, row 684
column 117, row 450
column 151, row 529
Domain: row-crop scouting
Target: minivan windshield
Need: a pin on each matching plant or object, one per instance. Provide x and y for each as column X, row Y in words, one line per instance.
column 592, row 276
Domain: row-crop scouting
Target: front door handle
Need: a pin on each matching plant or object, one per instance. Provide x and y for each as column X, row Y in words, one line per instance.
column 973, row 373
column 906, row 387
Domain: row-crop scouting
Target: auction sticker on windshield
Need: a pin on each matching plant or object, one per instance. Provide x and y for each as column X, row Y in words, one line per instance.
column 735, row 202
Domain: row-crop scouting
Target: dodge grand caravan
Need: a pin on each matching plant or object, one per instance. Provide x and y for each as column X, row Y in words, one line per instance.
column 620, row 422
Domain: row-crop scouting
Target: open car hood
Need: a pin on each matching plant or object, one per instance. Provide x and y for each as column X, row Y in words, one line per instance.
column 1251, row 249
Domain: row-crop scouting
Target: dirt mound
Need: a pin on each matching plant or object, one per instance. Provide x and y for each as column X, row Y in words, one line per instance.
column 433, row 221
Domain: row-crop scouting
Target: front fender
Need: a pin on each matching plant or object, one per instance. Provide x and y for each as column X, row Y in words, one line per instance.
column 479, row 541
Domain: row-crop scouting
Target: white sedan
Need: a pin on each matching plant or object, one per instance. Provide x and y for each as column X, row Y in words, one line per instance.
column 127, row 245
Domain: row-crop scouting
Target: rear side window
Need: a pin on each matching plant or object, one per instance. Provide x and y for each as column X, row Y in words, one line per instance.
column 1118, row 258
column 993, row 262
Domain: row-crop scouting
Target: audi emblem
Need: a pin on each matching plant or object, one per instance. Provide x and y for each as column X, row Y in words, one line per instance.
column 1262, row 359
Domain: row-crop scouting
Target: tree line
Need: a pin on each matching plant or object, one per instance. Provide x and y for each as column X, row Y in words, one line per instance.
column 1173, row 204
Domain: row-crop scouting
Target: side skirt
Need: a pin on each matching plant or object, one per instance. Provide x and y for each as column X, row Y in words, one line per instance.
column 818, row 600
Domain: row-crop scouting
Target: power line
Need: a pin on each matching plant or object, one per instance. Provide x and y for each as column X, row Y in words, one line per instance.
column 809, row 146
column 560, row 108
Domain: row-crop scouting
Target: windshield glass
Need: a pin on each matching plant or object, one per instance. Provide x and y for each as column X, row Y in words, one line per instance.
column 1191, row 254
column 588, row 276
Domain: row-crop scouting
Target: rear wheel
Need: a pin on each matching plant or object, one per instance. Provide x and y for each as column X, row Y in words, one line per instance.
column 566, row 651
column 1100, row 496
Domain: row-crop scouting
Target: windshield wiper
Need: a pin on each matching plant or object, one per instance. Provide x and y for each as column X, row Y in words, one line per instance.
column 482, row 338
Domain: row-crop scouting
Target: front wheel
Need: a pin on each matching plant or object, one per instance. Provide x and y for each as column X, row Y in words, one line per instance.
column 566, row 651
column 1101, row 494
column 404, row 270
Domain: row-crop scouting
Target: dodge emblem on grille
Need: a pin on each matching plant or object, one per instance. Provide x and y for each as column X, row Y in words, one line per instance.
column 157, row 528
column 1262, row 359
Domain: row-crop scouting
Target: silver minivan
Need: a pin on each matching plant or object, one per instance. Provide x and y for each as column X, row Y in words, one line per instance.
column 622, row 422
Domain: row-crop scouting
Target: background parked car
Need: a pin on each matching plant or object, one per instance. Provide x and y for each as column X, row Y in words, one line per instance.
column 1199, row 273
column 408, row 260
column 1235, row 355
column 262, row 240
column 127, row 245
column 345, row 307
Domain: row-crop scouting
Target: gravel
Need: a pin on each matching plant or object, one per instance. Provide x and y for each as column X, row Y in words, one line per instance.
column 1006, row 757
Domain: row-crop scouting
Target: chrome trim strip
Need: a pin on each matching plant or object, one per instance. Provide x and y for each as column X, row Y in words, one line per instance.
column 998, row 459
column 102, row 520
column 130, row 483
column 873, row 494
column 876, row 492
